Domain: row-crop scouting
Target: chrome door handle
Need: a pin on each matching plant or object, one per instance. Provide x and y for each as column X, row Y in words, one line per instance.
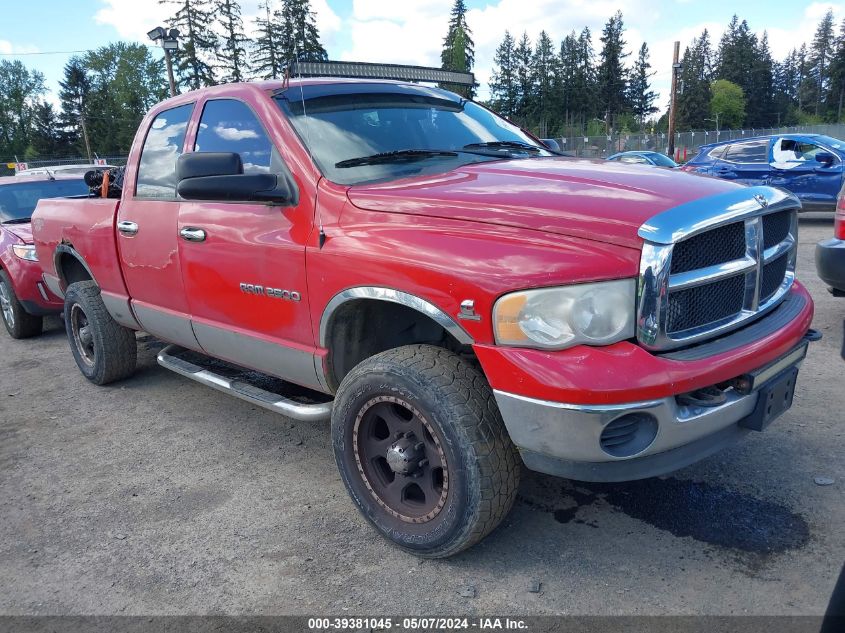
column 191, row 234
column 127, row 228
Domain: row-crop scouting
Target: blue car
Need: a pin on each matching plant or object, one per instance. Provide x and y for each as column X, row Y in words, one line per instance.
column 808, row 165
column 644, row 158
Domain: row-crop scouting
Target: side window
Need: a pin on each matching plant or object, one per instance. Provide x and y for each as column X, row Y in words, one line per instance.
column 227, row 125
column 163, row 145
column 718, row 152
column 754, row 152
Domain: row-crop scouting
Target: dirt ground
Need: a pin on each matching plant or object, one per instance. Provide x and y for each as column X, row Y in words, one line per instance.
column 160, row 496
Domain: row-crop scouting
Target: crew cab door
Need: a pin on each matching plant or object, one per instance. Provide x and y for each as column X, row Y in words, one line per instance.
column 243, row 263
column 146, row 232
column 746, row 162
column 795, row 168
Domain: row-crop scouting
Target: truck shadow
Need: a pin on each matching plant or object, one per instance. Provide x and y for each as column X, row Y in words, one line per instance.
column 705, row 512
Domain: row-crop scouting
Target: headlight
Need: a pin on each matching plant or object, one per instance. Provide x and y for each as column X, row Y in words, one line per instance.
column 555, row 318
column 25, row 251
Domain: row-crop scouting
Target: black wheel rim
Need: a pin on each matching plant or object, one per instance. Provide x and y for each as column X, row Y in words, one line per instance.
column 83, row 338
column 400, row 459
column 6, row 305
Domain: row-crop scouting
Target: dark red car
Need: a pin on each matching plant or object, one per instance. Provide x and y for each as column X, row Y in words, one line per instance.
column 24, row 300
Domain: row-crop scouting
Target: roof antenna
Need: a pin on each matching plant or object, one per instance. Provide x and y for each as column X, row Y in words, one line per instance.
column 322, row 238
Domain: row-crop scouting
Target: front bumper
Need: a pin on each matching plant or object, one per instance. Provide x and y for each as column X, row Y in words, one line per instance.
column 568, row 440
column 830, row 263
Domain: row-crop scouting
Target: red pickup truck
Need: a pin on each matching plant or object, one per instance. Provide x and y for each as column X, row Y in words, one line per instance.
column 455, row 296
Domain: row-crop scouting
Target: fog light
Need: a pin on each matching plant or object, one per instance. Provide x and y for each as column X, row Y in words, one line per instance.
column 629, row 435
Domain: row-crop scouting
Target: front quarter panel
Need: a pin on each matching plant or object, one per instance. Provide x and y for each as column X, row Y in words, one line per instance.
column 446, row 262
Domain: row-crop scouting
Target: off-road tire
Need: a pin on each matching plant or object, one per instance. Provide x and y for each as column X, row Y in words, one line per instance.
column 22, row 324
column 113, row 347
column 458, row 403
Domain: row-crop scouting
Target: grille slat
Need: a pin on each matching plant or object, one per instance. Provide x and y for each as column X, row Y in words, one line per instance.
column 702, row 305
column 723, row 244
column 776, row 228
column 773, row 274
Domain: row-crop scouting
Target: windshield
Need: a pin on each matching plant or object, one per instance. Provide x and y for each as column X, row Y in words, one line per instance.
column 661, row 160
column 18, row 199
column 831, row 142
column 341, row 127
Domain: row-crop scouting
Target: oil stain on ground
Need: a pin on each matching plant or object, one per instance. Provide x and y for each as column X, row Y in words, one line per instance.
column 706, row 512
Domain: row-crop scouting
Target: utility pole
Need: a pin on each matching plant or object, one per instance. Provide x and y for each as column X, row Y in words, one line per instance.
column 169, row 41
column 85, row 135
column 169, row 63
column 673, row 97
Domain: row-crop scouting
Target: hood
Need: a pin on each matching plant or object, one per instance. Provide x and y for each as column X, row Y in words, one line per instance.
column 21, row 231
column 597, row 200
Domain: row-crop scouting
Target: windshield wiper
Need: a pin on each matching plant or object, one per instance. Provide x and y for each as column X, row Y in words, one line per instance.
column 397, row 156
column 506, row 145
column 17, row 221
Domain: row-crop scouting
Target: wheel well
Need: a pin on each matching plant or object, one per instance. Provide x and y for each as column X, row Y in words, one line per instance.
column 71, row 270
column 362, row 328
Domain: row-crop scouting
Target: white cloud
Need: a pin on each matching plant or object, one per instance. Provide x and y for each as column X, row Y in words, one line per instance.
column 9, row 48
column 234, row 134
column 132, row 19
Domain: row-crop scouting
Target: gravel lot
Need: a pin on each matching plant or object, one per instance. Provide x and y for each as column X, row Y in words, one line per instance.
column 160, row 496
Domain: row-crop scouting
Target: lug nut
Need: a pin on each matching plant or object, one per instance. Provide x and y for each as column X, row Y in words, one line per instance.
column 423, row 463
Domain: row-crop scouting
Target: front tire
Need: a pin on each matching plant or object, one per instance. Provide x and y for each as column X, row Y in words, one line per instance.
column 104, row 350
column 423, row 451
column 19, row 323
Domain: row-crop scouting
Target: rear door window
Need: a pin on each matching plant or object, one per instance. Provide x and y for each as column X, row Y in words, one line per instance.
column 163, row 145
column 752, row 152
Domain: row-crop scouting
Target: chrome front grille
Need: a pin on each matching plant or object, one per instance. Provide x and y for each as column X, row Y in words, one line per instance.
column 712, row 265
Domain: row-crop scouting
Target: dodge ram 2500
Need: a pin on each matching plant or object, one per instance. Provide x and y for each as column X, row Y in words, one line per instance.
column 455, row 296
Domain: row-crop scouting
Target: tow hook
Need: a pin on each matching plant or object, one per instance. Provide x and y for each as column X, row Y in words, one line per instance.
column 705, row 397
column 813, row 335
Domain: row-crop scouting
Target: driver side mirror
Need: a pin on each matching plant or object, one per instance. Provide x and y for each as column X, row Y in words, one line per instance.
column 219, row 176
column 826, row 158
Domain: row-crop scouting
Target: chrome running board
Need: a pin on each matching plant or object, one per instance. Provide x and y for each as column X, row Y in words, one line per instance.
column 242, row 389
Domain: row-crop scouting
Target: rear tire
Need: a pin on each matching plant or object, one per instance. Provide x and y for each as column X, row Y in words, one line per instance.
column 423, row 451
column 104, row 350
column 19, row 323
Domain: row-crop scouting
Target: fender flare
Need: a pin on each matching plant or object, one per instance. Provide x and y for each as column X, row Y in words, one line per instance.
column 68, row 249
column 393, row 296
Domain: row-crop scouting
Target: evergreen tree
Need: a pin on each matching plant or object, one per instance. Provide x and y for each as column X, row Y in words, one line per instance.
column 612, row 77
column 640, row 95
column 300, row 38
column 544, row 71
column 735, row 54
column 75, row 90
column 821, row 52
column 786, row 89
column 807, row 86
column 266, row 56
column 231, row 55
column 759, row 107
column 197, row 42
column 836, row 92
column 523, row 55
column 44, row 139
column 693, row 105
column 504, row 88
column 458, row 48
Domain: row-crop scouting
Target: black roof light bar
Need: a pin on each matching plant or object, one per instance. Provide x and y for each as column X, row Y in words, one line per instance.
column 363, row 70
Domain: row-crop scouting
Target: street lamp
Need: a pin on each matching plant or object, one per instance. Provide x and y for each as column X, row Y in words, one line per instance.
column 169, row 41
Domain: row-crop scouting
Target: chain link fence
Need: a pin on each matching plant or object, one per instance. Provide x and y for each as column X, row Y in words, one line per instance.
column 686, row 143
column 7, row 166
